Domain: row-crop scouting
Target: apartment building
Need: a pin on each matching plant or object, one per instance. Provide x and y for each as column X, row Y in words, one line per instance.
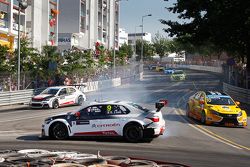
column 42, row 22
column 132, row 37
column 9, row 23
column 123, row 37
column 82, row 23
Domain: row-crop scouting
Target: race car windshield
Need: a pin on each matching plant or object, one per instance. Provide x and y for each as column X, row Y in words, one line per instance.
column 219, row 100
column 50, row 91
column 139, row 107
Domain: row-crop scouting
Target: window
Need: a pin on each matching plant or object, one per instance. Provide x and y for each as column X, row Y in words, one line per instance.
column 71, row 90
column 92, row 111
column 63, row 92
column 116, row 110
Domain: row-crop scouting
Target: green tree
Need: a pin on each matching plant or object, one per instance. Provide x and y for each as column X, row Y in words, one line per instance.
column 5, row 58
column 161, row 45
column 127, row 49
column 223, row 23
column 148, row 50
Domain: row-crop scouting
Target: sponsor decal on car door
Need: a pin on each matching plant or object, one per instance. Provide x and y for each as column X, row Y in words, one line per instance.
column 62, row 96
column 115, row 119
column 88, row 123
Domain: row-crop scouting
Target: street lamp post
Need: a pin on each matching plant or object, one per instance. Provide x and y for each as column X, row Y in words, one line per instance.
column 22, row 6
column 142, row 37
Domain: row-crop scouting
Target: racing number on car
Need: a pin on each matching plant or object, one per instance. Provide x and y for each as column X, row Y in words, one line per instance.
column 109, row 109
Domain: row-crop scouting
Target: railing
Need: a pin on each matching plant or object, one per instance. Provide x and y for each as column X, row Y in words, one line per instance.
column 237, row 93
column 24, row 96
column 202, row 68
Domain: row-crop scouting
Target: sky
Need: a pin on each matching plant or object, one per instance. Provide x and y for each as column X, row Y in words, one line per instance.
column 131, row 13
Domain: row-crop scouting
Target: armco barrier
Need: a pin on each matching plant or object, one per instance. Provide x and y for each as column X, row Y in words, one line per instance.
column 16, row 97
column 239, row 94
column 202, row 68
column 24, row 96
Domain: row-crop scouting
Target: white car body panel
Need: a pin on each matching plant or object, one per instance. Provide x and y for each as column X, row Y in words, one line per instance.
column 106, row 125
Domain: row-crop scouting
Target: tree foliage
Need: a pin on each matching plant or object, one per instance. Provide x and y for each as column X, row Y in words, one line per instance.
column 223, row 24
column 148, row 49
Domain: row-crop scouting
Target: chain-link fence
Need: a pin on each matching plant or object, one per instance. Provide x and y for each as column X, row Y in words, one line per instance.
column 8, row 82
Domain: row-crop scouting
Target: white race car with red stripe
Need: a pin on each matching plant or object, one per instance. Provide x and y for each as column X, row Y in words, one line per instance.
column 58, row 96
column 111, row 118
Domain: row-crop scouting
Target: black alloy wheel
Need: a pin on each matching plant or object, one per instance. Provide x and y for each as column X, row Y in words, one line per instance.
column 187, row 110
column 133, row 133
column 80, row 100
column 55, row 104
column 203, row 117
column 60, row 131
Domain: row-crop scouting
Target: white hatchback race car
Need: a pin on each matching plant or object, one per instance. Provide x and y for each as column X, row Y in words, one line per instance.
column 110, row 118
column 58, row 96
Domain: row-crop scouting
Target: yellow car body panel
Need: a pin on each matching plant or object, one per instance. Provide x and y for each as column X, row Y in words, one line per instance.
column 228, row 115
column 159, row 68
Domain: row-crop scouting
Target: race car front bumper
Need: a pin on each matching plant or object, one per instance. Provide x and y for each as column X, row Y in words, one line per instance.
column 42, row 104
column 227, row 120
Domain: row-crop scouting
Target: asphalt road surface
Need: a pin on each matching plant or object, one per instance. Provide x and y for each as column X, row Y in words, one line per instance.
column 185, row 140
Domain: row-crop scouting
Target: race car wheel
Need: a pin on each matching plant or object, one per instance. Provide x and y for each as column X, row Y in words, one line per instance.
column 187, row 111
column 80, row 100
column 59, row 131
column 133, row 133
column 203, row 117
column 55, row 104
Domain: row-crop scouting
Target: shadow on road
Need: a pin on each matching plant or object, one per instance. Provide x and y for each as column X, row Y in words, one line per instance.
column 93, row 139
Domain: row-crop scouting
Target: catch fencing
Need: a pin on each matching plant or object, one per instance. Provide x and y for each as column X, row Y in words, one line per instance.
column 24, row 96
column 237, row 93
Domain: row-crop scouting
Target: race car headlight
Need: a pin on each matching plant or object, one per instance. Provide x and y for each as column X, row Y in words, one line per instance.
column 215, row 112
column 240, row 114
column 48, row 120
column 46, row 99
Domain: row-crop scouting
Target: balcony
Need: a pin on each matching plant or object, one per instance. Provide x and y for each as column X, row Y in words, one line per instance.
column 4, row 23
column 15, row 27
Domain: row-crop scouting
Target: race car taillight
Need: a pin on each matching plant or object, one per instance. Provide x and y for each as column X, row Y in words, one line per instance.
column 154, row 119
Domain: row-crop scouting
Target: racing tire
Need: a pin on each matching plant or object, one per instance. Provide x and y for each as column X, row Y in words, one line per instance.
column 80, row 101
column 59, row 131
column 133, row 133
column 55, row 104
column 203, row 117
column 188, row 111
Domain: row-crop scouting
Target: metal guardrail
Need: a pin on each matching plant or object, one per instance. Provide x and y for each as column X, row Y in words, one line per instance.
column 202, row 68
column 16, row 97
column 237, row 93
column 24, row 96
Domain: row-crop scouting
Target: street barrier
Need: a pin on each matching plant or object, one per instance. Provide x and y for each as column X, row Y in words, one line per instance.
column 239, row 94
column 202, row 68
column 16, row 97
column 24, row 96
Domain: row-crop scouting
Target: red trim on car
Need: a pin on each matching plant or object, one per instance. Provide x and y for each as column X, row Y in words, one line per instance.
column 97, row 133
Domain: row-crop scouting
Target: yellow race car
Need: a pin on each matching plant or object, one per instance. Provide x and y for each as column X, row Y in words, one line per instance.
column 216, row 108
column 159, row 68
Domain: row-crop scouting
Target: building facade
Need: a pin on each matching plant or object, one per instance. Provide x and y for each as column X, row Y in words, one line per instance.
column 123, row 37
column 82, row 23
column 42, row 22
column 9, row 23
column 132, row 37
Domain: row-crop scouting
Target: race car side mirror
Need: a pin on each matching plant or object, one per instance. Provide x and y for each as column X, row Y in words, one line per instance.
column 77, row 114
column 237, row 103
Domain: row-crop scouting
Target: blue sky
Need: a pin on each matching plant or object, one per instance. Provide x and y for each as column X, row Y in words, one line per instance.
column 132, row 11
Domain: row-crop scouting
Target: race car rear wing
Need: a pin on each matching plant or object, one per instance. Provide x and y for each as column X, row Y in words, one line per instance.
column 159, row 105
